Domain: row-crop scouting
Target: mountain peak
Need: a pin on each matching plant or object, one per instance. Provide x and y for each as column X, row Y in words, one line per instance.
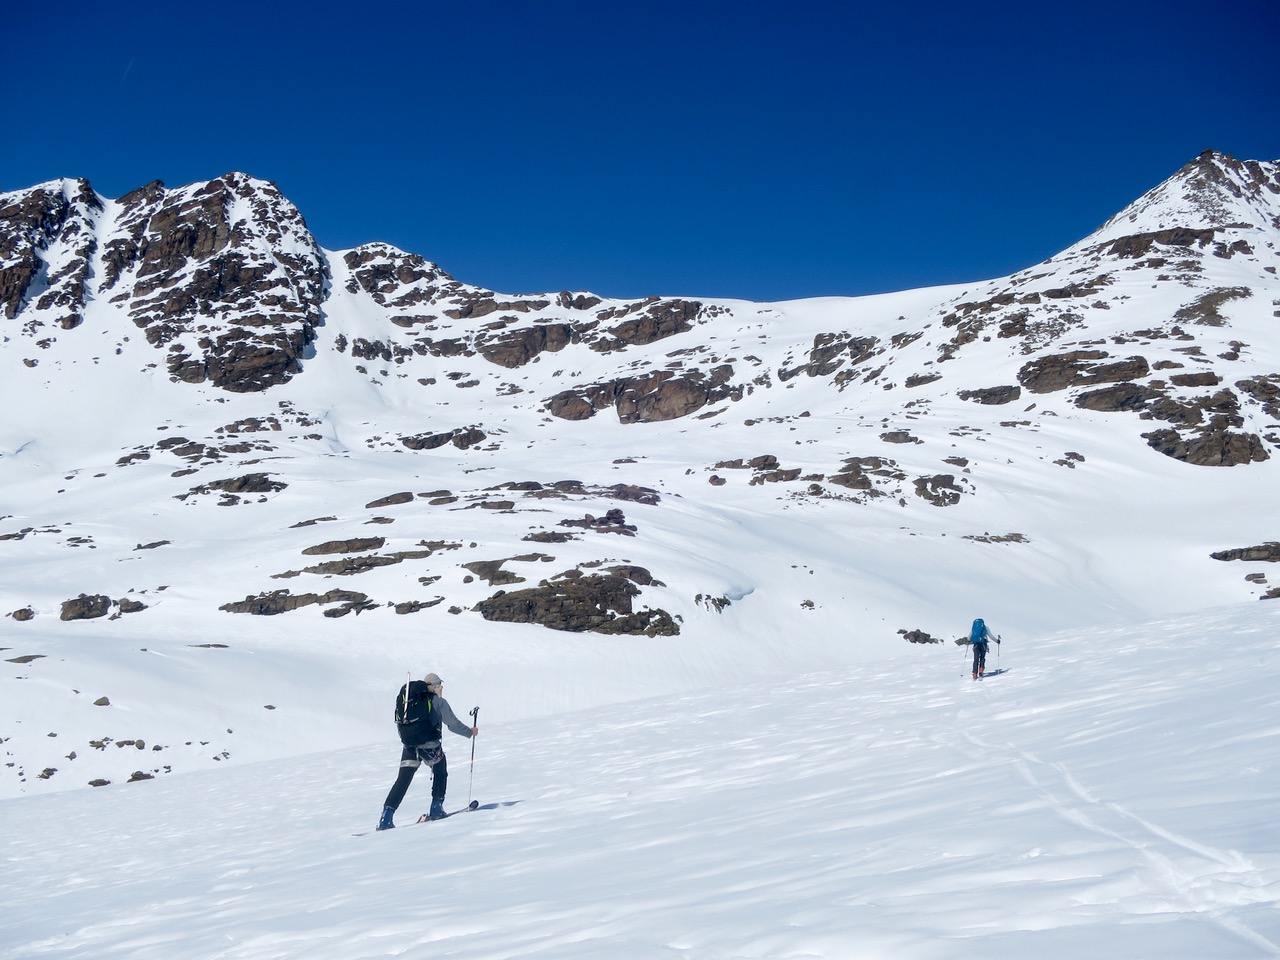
column 1214, row 191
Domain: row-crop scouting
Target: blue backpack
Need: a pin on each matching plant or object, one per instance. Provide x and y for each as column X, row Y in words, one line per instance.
column 978, row 633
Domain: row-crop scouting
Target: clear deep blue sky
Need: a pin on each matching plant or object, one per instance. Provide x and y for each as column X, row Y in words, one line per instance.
column 727, row 148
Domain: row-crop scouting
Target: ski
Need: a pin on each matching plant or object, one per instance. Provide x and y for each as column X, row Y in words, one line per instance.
column 473, row 805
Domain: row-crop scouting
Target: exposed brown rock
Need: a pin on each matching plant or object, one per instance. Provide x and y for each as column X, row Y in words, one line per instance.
column 491, row 572
column 597, row 603
column 413, row 606
column 232, row 488
column 830, row 353
column 1268, row 552
column 1139, row 244
column 660, row 395
column 188, row 269
column 921, row 379
column 282, row 601
column 664, row 318
column 86, row 607
column 354, row 545
column 1204, row 379
column 1057, row 371
column 1121, row 396
column 461, row 437
column 1213, row 447
column 918, row 636
column 860, row 473
column 993, row 396
column 1265, row 390
column 612, row 522
column 391, row 500
column 515, row 348
column 31, row 225
column 350, row 566
column 940, row 490
column 1205, row 310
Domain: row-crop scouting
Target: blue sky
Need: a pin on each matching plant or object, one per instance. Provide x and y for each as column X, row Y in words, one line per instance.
column 722, row 149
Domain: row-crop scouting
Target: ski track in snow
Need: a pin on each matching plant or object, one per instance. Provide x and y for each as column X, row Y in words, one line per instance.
column 1112, row 793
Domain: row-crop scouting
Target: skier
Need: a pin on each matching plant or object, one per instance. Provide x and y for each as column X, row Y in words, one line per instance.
column 425, row 731
column 979, row 635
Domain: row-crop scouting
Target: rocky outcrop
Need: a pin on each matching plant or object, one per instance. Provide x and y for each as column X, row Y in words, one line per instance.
column 582, row 603
column 661, row 395
column 991, row 396
column 47, row 225
column 833, row 353
column 941, row 490
column 461, row 437
column 1139, row 244
column 614, row 521
column 354, row 545
column 86, row 607
column 515, row 348
column 658, row 320
column 918, row 636
column 393, row 278
column 223, row 277
column 1265, row 390
column 227, row 272
column 1121, row 396
column 1214, row 446
column 1076, row 368
column 1206, row 308
column 282, row 601
column 1268, row 552
column 868, row 475
column 390, row 500
column 235, row 490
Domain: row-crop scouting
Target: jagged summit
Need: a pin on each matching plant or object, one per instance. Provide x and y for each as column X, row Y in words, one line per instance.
column 1213, row 192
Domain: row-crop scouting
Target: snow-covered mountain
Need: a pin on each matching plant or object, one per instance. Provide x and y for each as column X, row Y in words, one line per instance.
column 246, row 483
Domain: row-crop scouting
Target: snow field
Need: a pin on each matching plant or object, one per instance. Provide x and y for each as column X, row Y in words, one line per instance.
column 1112, row 792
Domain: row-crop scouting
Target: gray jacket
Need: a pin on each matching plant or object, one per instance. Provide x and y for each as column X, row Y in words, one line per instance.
column 449, row 718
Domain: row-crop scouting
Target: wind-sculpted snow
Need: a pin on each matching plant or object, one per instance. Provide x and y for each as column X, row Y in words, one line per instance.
column 1108, row 793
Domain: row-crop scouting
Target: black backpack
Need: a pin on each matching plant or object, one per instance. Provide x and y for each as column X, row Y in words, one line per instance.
column 417, row 719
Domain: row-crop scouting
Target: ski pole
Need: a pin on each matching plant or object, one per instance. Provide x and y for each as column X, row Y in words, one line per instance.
column 475, row 711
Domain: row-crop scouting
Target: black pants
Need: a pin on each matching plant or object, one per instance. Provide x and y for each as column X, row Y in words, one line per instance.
column 411, row 758
column 979, row 657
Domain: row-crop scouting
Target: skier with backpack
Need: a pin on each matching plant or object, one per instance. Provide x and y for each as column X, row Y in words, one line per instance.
column 979, row 636
column 421, row 714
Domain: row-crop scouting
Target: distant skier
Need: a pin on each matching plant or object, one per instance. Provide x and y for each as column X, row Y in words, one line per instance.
column 421, row 714
column 979, row 636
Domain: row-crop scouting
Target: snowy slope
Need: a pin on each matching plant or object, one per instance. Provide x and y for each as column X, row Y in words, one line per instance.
column 859, row 471
column 1111, row 793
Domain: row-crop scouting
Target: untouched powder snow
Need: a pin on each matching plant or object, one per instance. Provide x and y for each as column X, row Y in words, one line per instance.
column 1111, row 793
